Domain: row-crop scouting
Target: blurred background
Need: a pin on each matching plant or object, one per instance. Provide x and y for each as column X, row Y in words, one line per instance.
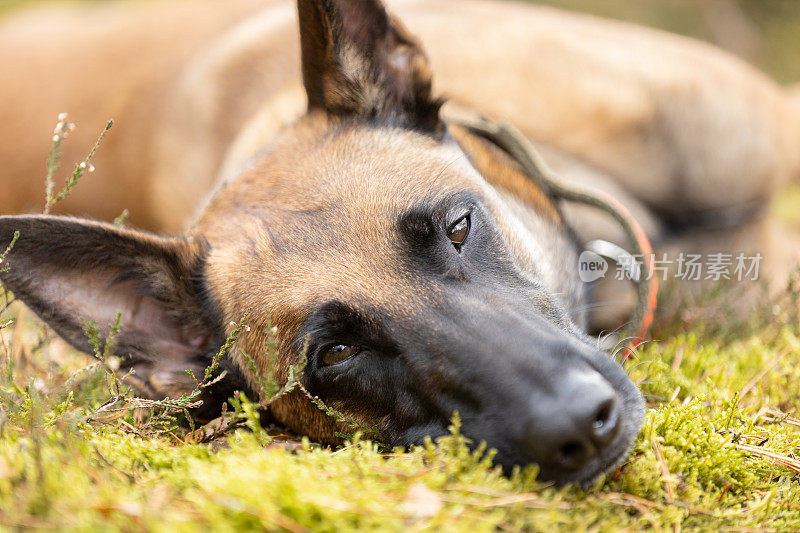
column 764, row 32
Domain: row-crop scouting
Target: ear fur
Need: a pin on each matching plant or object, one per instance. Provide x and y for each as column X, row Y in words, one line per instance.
column 71, row 271
column 360, row 62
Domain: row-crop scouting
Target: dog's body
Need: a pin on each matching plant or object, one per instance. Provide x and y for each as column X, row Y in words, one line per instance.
column 640, row 111
column 307, row 216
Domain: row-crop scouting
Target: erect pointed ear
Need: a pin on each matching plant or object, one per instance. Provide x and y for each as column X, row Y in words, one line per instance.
column 358, row 61
column 69, row 271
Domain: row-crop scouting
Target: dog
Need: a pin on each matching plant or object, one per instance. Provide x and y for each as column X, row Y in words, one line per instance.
column 412, row 263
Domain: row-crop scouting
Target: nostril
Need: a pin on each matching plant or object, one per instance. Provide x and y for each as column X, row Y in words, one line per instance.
column 605, row 422
column 573, row 455
column 565, row 432
column 601, row 418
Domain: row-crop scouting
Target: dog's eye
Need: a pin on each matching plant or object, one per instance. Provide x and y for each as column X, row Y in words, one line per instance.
column 340, row 352
column 458, row 232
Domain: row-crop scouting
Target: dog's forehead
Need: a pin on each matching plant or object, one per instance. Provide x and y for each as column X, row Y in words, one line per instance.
column 357, row 166
column 315, row 217
column 341, row 181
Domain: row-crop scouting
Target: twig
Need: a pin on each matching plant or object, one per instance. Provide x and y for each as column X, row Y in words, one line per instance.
column 61, row 132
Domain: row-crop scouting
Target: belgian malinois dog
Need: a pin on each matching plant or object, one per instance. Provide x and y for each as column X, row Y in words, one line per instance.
column 413, row 263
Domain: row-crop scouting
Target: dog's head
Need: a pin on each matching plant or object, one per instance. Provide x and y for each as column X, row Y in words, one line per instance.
column 411, row 263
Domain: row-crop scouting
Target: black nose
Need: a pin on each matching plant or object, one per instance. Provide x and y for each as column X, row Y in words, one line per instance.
column 565, row 431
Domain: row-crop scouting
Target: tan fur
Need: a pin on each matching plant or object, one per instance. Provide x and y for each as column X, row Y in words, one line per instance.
column 793, row 93
column 96, row 62
column 499, row 169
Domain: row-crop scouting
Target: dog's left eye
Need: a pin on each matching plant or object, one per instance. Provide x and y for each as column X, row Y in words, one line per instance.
column 339, row 353
column 458, row 232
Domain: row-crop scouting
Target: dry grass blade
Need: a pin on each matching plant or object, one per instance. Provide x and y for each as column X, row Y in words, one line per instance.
column 778, row 417
column 782, row 460
column 642, row 505
column 665, row 474
column 214, row 429
column 529, row 500
column 758, row 377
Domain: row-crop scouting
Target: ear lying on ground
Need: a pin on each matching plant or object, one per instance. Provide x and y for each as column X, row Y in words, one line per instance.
column 358, row 61
column 70, row 271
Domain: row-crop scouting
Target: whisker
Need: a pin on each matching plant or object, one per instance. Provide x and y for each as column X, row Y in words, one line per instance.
column 603, row 336
column 599, row 305
column 634, row 352
column 640, row 363
column 448, row 165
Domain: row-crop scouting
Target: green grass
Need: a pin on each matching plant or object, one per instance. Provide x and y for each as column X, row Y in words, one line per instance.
column 705, row 459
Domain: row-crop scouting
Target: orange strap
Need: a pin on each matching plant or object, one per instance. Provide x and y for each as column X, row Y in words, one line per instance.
column 649, row 277
column 507, row 137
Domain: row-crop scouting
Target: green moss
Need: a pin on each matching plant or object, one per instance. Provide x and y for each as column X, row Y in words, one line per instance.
column 708, row 396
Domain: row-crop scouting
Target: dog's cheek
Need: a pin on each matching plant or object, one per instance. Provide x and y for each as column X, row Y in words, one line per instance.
column 298, row 413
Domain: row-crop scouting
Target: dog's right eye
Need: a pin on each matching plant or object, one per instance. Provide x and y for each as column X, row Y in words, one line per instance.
column 458, row 232
column 339, row 353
